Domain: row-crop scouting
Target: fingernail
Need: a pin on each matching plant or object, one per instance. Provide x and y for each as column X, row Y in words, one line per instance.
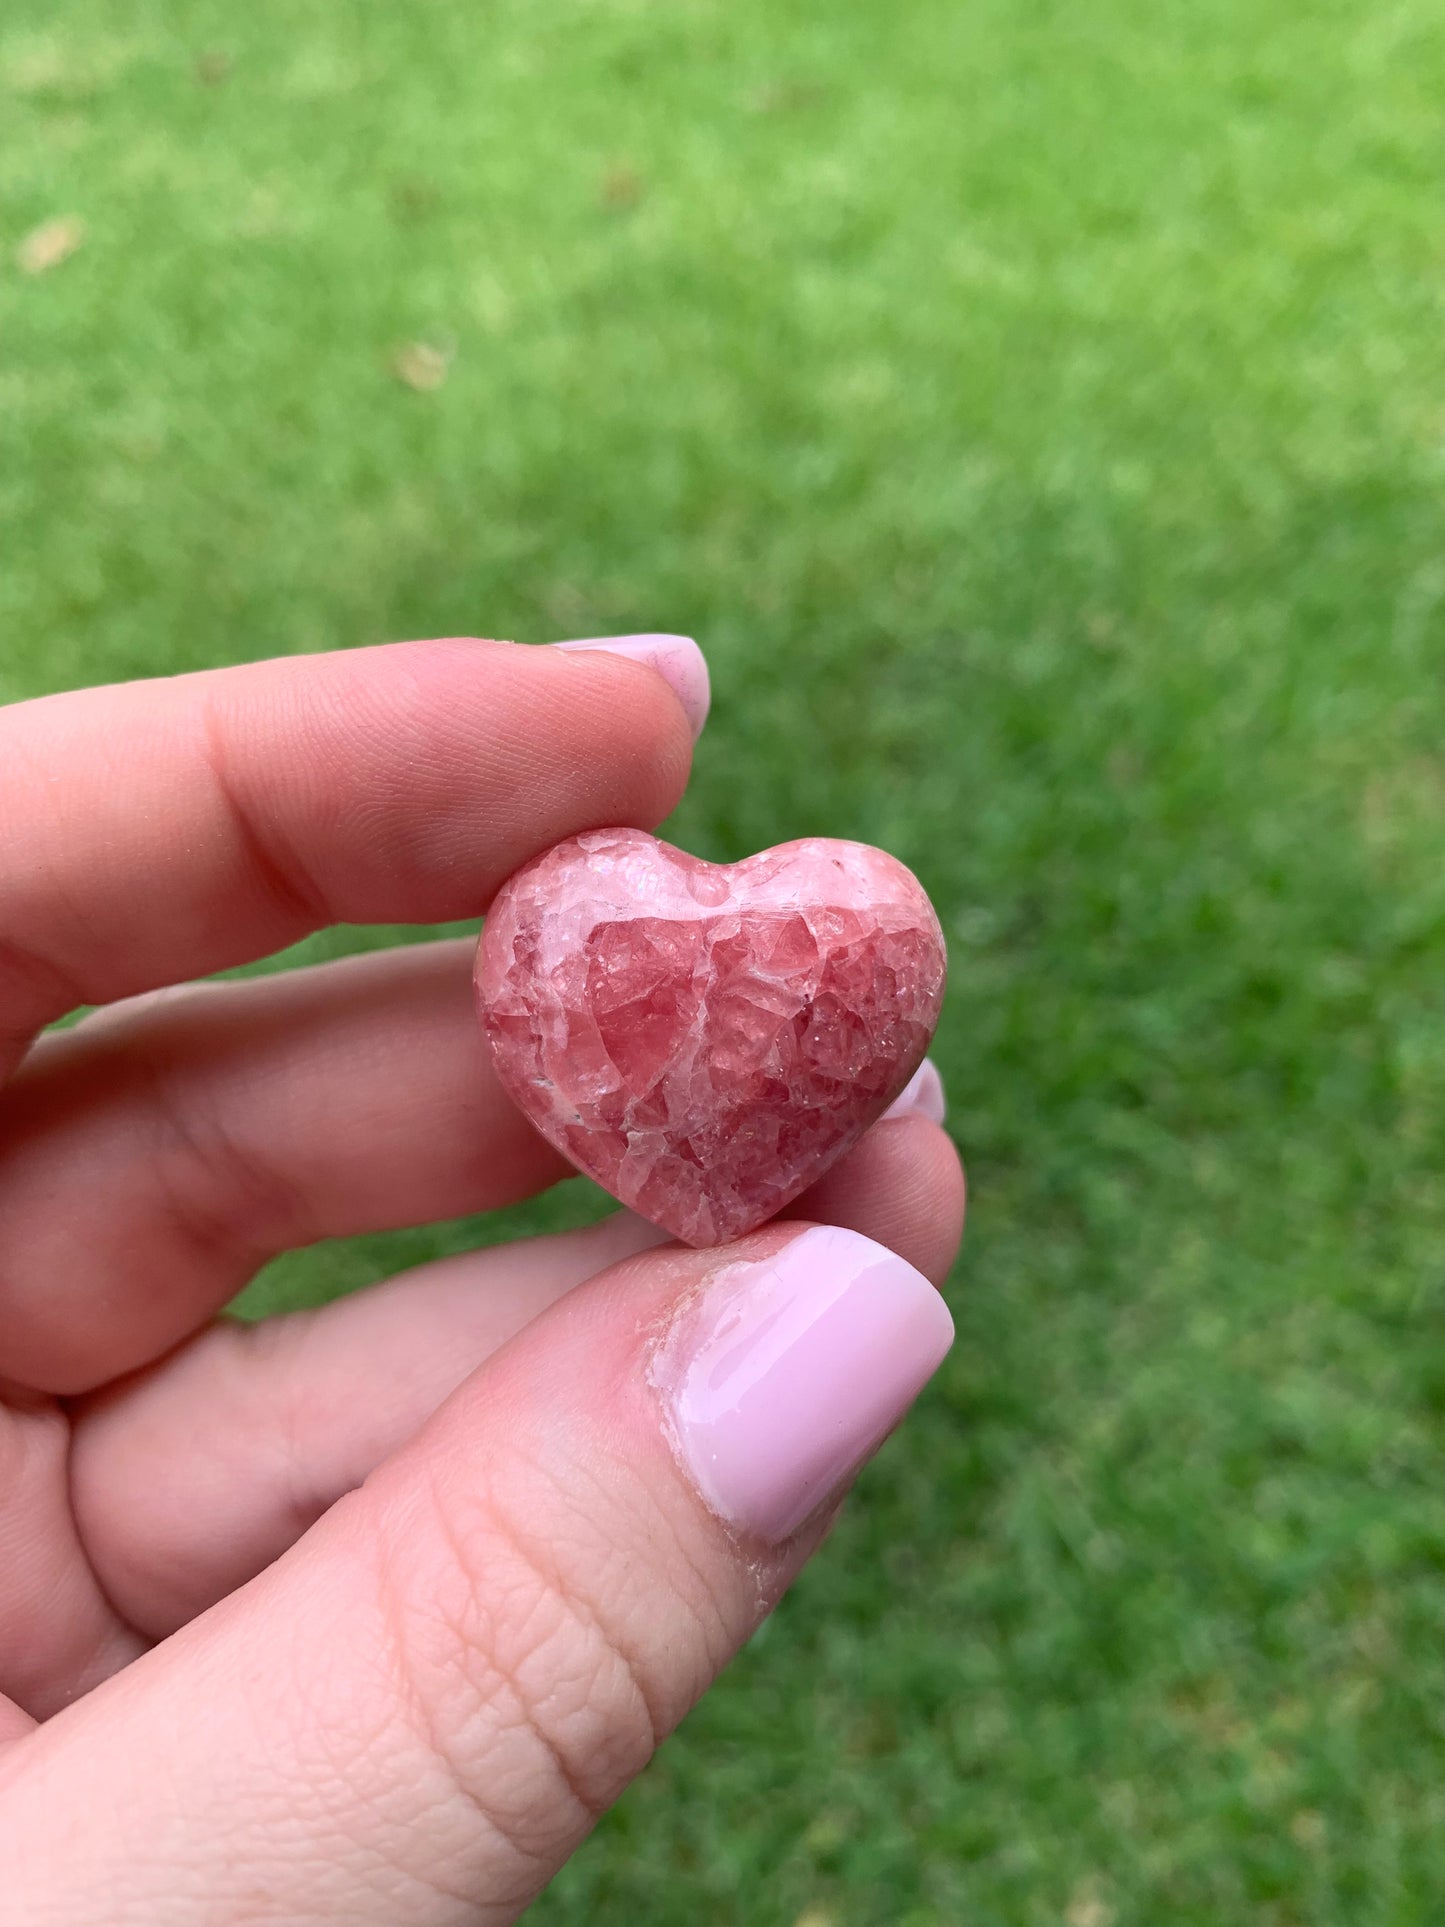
column 921, row 1096
column 788, row 1372
column 677, row 659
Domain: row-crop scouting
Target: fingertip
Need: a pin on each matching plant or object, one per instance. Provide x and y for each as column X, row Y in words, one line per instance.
column 790, row 1369
column 923, row 1093
column 677, row 659
column 903, row 1186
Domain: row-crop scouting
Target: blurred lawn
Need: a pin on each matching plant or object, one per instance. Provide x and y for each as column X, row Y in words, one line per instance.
column 1038, row 411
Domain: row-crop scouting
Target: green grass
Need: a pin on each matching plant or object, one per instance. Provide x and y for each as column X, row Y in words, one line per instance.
column 1038, row 410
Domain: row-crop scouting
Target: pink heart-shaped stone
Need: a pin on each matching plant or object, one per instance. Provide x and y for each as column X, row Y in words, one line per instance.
column 705, row 1039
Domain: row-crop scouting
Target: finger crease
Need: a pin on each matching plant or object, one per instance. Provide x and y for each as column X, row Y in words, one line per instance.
column 588, row 1800
column 121, row 1622
column 584, row 1615
column 222, row 1194
column 41, row 988
column 427, row 1729
column 282, row 877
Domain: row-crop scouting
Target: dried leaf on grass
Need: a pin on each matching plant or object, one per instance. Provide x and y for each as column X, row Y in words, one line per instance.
column 1088, row 1908
column 46, row 246
column 421, row 364
column 621, row 188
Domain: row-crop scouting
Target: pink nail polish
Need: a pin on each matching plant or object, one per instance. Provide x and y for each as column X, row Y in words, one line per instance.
column 786, row 1373
column 677, row 659
column 921, row 1096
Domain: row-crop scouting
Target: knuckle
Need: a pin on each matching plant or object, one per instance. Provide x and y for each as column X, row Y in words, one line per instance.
column 274, row 866
column 33, row 988
column 224, row 1194
column 515, row 1678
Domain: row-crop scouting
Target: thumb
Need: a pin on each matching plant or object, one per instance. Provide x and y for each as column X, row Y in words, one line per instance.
column 417, row 1713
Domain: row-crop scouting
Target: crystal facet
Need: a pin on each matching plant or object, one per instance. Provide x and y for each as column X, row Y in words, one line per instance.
column 705, row 1039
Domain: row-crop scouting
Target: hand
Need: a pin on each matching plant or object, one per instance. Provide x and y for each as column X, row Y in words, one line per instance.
column 364, row 1614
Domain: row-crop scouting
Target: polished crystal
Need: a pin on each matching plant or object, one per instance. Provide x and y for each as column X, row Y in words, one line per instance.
column 704, row 1039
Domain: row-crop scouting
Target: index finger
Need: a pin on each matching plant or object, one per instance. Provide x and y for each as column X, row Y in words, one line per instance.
column 155, row 831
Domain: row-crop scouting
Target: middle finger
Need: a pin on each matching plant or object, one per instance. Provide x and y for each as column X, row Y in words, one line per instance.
column 156, row 1156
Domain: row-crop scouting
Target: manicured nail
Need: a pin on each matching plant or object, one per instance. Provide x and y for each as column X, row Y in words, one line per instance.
column 921, row 1096
column 677, row 659
column 786, row 1373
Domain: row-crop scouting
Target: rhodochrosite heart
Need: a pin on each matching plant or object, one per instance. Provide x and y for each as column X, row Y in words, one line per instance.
column 704, row 1039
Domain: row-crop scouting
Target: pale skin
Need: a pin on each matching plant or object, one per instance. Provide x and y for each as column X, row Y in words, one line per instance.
column 361, row 1615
